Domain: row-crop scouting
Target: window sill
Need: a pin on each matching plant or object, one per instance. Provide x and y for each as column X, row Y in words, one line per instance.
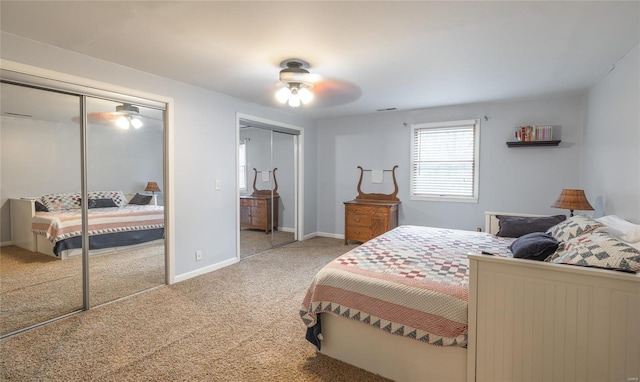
column 444, row 199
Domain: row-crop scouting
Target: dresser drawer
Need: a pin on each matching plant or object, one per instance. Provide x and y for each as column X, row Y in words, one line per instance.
column 251, row 202
column 259, row 221
column 258, row 211
column 360, row 234
column 367, row 210
column 358, row 220
column 352, row 209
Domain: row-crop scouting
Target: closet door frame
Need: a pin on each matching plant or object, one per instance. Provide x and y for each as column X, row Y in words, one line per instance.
column 298, row 170
column 44, row 78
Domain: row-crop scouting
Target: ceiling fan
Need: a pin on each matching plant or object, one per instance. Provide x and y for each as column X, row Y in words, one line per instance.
column 296, row 81
column 128, row 116
column 125, row 117
column 297, row 85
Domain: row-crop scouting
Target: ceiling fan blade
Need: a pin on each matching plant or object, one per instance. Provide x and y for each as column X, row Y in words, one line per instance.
column 335, row 92
column 101, row 118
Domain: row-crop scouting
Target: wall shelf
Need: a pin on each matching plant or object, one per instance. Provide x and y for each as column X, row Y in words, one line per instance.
column 532, row 143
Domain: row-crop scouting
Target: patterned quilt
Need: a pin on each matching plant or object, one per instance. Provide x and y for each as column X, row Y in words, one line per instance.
column 64, row 224
column 411, row 281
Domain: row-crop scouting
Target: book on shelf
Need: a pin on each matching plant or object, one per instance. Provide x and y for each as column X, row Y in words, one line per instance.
column 533, row 133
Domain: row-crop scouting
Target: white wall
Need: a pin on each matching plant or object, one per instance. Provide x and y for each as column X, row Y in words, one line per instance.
column 525, row 179
column 204, row 149
column 611, row 155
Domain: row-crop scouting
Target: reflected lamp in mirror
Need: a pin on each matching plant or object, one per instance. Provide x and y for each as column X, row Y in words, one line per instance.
column 153, row 187
column 572, row 200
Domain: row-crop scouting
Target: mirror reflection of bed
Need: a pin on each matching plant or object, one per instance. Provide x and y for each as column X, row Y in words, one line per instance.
column 267, row 190
column 41, row 155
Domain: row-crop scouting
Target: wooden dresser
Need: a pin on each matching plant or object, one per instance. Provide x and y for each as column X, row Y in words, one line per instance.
column 257, row 212
column 366, row 219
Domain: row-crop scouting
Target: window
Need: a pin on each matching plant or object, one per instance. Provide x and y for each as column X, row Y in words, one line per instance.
column 242, row 176
column 444, row 161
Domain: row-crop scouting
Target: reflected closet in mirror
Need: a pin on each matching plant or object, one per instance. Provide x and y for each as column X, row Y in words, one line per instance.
column 268, row 199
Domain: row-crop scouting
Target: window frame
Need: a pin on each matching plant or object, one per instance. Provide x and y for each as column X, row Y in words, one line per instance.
column 476, row 161
column 241, row 178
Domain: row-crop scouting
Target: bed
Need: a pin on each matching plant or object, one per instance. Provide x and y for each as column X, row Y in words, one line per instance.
column 485, row 317
column 52, row 224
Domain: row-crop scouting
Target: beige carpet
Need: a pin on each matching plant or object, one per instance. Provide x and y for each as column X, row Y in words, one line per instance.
column 36, row 287
column 239, row 323
column 256, row 241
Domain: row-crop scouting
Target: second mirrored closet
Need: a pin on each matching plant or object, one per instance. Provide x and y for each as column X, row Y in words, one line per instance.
column 267, row 181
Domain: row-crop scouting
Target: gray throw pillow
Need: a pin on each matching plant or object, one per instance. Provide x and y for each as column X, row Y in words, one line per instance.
column 516, row 226
column 534, row 246
column 140, row 199
column 101, row 203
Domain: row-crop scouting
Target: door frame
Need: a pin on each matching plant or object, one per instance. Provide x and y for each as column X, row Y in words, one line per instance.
column 298, row 169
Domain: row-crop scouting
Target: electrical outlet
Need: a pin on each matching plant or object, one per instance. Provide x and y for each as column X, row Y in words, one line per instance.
column 217, row 184
column 198, row 255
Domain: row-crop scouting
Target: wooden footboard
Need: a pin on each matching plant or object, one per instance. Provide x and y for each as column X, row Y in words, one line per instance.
column 532, row 320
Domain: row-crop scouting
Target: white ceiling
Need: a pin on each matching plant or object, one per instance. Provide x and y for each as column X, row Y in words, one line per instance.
column 373, row 55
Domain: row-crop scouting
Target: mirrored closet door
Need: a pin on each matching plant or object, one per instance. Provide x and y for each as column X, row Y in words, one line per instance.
column 283, row 159
column 41, row 156
column 81, row 204
column 124, row 154
column 268, row 199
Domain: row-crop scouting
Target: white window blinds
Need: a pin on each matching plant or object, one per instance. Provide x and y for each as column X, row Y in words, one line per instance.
column 445, row 160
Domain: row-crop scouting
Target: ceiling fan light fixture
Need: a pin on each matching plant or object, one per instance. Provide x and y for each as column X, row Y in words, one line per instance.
column 136, row 123
column 297, row 81
column 305, row 95
column 128, row 117
column 123, row 122
column 126, row 121
column 295, row 71
column 294, row 98
column 283, row 94
column 127, row 108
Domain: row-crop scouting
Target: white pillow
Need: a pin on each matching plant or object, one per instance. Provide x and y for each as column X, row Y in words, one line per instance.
column 621, row 228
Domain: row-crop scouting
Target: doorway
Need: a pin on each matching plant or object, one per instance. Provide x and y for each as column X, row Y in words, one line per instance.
column 268, row 173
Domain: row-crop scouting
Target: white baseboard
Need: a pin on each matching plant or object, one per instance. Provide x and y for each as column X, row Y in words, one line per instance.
column 331, row 235
column 222, row 264
column 202, row 271
column 286, row 229
column 5, row 243
column 323, row 234
column 309, row 236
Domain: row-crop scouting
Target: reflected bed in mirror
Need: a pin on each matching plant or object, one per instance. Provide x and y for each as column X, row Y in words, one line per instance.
column 52, row 224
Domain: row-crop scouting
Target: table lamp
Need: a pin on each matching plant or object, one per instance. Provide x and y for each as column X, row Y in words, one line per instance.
column 572, row 200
